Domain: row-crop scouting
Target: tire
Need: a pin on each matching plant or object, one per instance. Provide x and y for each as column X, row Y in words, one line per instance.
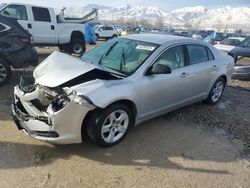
column 216, row 91
column 61, row 47
column 77, row 46
column 97, row 36
column 114, row 36
column 106, row 133
column 5, row 72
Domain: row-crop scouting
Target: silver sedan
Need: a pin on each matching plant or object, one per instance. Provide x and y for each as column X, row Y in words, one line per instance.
column 117, row 85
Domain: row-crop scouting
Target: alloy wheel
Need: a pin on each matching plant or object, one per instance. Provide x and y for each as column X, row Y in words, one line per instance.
column 77, row 48
column 115, row 126
column 217, row 91
column 3, row 72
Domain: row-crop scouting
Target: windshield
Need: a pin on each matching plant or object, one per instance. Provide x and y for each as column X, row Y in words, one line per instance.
column 220, row 36
column 246, row 43
column 231, row 42
column 122, row 55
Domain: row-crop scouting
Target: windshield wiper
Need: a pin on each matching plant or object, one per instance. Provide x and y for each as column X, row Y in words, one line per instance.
column 122, row 63
column 107, row 52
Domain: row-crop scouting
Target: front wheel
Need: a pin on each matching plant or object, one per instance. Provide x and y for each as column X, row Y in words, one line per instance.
column 5, row 72
column 110, row 126
column 216, row 91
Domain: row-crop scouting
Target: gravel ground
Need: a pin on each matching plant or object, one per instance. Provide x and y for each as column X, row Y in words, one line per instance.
column 197, row 146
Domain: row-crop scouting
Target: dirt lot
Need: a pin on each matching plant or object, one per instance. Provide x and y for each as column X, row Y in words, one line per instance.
column 197, row 146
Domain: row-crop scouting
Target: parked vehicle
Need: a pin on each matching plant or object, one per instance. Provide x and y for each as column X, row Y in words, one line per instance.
column 217, row 37
column 241, row 72
column 47, row 28
column 117, row 85
column 106, row 32
column 243, row 50
column 15, row 48
column 228, row 44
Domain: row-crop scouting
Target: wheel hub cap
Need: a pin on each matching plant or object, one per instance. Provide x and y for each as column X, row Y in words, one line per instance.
column 77, row 48
column 114, row 126
column 3, row 72
column 217, row 91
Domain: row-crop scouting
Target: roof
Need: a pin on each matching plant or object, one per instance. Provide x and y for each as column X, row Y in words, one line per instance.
column 157, row 38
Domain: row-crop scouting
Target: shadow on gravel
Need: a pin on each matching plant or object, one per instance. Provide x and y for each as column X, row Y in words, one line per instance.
column 147, row 145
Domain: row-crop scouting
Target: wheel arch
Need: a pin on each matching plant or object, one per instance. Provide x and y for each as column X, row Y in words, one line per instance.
column 224, row 77
column 76, row 35
column 130, row 104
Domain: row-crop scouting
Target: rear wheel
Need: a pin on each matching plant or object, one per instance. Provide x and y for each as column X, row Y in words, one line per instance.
column 5, row 72
column 61, row 47
column 110, row 126
column 77, row 46
column 97, row 36
column 216, row 91
column 114, row 36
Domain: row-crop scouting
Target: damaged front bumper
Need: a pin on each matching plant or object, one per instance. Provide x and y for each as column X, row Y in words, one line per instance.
column 62, row 126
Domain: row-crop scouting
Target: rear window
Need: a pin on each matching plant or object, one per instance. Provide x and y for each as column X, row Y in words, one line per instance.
column 197, row 54
column 107, row 28
column 41, row 14
column 231, row 42
column 210, row 55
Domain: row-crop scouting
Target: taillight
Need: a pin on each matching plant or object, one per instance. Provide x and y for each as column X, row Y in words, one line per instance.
column 26, row 40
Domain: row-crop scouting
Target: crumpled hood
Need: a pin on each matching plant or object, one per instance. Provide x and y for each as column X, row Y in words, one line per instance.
column 59, row 68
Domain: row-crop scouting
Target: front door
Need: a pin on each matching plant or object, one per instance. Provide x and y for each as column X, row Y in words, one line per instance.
column 43, row 27
column 163, row 91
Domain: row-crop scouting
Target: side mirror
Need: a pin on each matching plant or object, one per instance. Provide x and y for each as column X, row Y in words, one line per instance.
column 159, row 69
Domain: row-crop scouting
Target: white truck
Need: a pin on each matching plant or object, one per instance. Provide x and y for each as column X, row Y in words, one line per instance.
column 47, row 28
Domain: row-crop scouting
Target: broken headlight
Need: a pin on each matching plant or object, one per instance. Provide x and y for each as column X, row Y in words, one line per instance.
column 83, row 101
column 59, row 104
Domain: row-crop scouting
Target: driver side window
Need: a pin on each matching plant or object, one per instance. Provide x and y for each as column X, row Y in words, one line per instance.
column 173, row 58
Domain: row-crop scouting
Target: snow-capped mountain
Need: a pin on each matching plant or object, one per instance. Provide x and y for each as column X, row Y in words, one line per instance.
column 198, row 15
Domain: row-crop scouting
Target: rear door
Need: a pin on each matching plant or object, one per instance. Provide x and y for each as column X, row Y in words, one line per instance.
column 43, row 26
column 200, row 71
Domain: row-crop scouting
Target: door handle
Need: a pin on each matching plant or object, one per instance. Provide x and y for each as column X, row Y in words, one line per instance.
column 29, row 26
column 184, row 74
column 52, row 27
column 214, row 67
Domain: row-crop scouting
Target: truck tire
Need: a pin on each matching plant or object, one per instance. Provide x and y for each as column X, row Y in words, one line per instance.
column 61, row 47
column 77, row 46
column 97, row 36
column 5, row 72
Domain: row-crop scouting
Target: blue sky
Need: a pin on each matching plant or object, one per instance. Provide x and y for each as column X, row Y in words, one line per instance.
column 167, row 4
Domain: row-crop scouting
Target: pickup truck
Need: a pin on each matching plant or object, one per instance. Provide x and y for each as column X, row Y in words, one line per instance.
column 47, row 28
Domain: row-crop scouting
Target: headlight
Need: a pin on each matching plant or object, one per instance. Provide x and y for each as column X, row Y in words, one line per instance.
column 59, row 104
column 84, row 101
